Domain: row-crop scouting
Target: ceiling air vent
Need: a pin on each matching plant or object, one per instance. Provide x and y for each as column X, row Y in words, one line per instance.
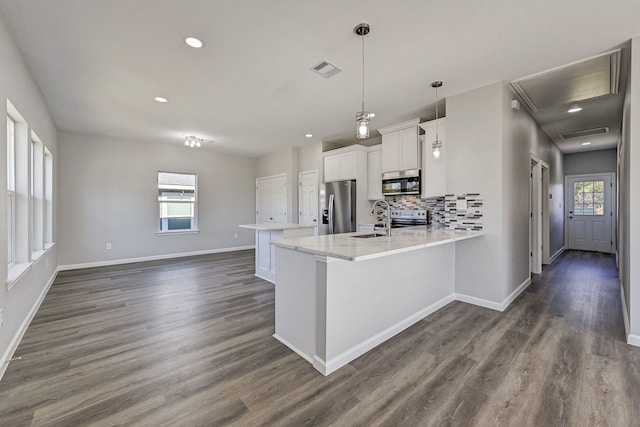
column 586, row 132
column 326, row 69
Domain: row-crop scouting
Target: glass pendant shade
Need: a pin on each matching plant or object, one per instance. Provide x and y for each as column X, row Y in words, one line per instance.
column 362, row 128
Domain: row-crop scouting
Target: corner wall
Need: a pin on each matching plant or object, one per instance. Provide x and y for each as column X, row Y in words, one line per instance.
column 108, row 194
column 629, row 226
column 489, row 150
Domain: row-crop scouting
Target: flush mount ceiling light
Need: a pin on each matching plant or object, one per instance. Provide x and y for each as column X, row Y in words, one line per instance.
column 161, row 99
column 362, row 117
column 574, row 109
column 194, row 142
column 437, row 144
column 308, row 135
column 193, row 42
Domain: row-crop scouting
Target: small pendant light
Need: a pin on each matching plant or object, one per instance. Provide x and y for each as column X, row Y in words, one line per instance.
column 437, row 144
column 362, row 117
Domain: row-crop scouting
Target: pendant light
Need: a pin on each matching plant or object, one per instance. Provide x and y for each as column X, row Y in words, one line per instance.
column 362, row 117
column 437, row 144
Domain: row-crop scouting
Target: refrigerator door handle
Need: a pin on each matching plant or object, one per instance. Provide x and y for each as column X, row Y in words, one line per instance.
column 331, row 228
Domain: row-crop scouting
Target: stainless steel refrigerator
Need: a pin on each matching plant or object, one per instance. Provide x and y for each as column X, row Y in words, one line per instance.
column 338, row 199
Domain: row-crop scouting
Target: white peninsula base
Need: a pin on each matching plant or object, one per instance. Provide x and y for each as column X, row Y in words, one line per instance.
column 330, row 310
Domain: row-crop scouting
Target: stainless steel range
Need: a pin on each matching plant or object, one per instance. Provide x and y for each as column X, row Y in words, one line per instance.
column 408, row 218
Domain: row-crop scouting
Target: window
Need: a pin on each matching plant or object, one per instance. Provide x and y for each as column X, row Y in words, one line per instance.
column 588, row 198
column 177, row 198
column 48, row 198
column 11, row 191
column 37, row 196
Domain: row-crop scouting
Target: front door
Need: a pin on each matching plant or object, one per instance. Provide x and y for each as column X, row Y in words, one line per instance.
column 590, row 212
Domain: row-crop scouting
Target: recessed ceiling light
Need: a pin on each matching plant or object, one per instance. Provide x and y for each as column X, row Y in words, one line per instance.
column 161, row 99
column 574, row 109
column 308, row 135
column 193, row 42
column 586, row 143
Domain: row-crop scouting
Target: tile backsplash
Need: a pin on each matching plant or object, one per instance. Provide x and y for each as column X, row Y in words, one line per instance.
column 463, row 212
column 456, row 212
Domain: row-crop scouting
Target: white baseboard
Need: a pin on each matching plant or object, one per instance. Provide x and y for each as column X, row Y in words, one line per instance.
column 294, row 348
column 556, row 255
column 633, row 340
column 150, row 258
column 625, row 313
column 498, row 306
column 516, row 292
column 335, row 363
column 13, row 345
column 479, row 301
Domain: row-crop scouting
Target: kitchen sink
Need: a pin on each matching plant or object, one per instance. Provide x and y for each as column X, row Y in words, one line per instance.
column 368, row 236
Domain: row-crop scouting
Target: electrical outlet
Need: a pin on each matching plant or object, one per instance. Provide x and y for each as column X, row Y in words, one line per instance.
column 108, row 246
column 235, row 235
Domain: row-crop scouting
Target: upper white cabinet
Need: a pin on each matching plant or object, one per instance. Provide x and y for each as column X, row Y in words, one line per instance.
column 400, row 146
column 341, row 166
column 433, row 170
column 351, row 163
column 374, row 172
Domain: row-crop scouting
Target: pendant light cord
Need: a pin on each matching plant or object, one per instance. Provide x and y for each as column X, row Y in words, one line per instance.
column 436, row 114
column 362, row 37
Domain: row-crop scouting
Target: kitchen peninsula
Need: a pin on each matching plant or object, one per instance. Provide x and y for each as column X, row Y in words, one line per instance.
column 340, row 295
column 265, row 253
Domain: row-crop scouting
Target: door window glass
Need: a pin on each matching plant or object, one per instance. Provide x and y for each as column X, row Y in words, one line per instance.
column 588, row 198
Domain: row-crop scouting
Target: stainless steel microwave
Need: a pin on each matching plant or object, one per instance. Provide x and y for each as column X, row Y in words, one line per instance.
column 402, row 182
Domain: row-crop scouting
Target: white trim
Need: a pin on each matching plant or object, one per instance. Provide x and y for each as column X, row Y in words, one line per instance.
column 294, row 348
column 150, row 258
column 174, row 232
column 633, row 340
column 16, row 271
column 492, row 304
column 13, row 345
column 479, row 302
column 556, row 255
column 327, row 367
column 625, row 313
column 516, row 292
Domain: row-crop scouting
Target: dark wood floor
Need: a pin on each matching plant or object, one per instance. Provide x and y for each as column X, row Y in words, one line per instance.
column 188, row 342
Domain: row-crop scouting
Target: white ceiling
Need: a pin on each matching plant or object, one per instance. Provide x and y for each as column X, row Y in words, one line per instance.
column 100, row 63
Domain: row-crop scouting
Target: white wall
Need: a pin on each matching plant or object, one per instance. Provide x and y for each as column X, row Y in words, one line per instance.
column 282, row 162
column 630, row 197
column 601, row 161
column 108, row 194
column 523, row 139
column 488, row 152
column 17, row 85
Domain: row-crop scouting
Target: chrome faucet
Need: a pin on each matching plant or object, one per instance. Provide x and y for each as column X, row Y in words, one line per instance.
column 386, row 221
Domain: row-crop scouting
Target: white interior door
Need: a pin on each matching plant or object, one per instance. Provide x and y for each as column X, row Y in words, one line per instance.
column 271, row 199
column 308, row 197
column 590, row 212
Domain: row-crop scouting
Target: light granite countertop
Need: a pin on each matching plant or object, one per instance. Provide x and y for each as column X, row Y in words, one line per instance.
column 347, row 247
column 268, row 226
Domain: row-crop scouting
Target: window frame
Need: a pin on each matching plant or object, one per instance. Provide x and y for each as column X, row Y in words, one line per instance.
column 160, row 200
column 11, row 191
